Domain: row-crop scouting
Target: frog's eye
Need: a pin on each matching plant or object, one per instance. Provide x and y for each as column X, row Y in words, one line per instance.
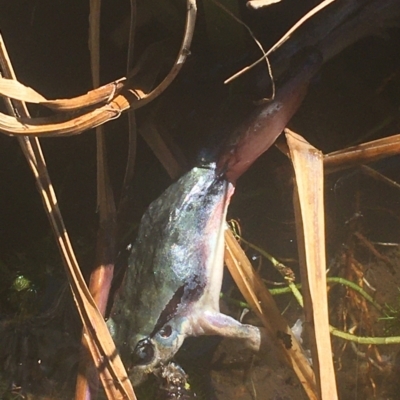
column 166, row 331
column 143, row 353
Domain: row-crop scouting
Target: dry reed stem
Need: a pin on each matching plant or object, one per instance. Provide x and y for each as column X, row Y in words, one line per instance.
column 356, row 155
column 101, row 277
column 100, row 343
column 309, row 212
column 362, row 153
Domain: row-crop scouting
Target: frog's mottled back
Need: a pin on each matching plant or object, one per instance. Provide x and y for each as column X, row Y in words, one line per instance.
column 169, row 266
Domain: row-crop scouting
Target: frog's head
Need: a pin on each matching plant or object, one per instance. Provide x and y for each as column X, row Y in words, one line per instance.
column 159, row 347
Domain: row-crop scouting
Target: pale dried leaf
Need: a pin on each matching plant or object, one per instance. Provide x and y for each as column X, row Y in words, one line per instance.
column 256, row 4
column 308, row 167
column 16, row 90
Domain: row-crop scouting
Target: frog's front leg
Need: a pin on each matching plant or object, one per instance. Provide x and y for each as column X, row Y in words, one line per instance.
column 162, row 345
column 215, row 323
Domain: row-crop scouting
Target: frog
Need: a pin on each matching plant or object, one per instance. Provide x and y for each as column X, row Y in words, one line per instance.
column 172, row 285
column 180, row 280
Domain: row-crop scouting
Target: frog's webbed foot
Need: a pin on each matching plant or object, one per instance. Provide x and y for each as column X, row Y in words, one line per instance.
column 216, row 323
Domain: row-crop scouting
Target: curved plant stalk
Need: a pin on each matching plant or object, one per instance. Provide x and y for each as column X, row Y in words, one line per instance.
column 282, row 269
column 127, row 98
column 17, row 91
column 378, row 340
column 331, row 279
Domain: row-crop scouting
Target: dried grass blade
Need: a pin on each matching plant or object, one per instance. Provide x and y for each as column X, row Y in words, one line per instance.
column 263, row 304
column 309, row 208
column 56, row 126
column 102, row 348
column 362, row 153
column 100, row 343
column 17, row 91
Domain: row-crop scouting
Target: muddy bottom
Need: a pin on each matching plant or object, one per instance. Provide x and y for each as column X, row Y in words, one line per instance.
column 239, row 374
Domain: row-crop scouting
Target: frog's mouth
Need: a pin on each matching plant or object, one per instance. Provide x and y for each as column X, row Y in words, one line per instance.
column 162, row 345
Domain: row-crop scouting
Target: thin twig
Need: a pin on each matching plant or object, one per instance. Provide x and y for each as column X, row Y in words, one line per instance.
column 284, row 38
column 379, row 177
column 182, row 55
column 364, row 241
column 132, row 129
column 257, row 42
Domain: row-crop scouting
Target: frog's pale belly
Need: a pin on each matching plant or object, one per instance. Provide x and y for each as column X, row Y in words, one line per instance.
column 172, row 286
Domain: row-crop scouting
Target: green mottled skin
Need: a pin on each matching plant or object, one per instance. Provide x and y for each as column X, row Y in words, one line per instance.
column 178, row 245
